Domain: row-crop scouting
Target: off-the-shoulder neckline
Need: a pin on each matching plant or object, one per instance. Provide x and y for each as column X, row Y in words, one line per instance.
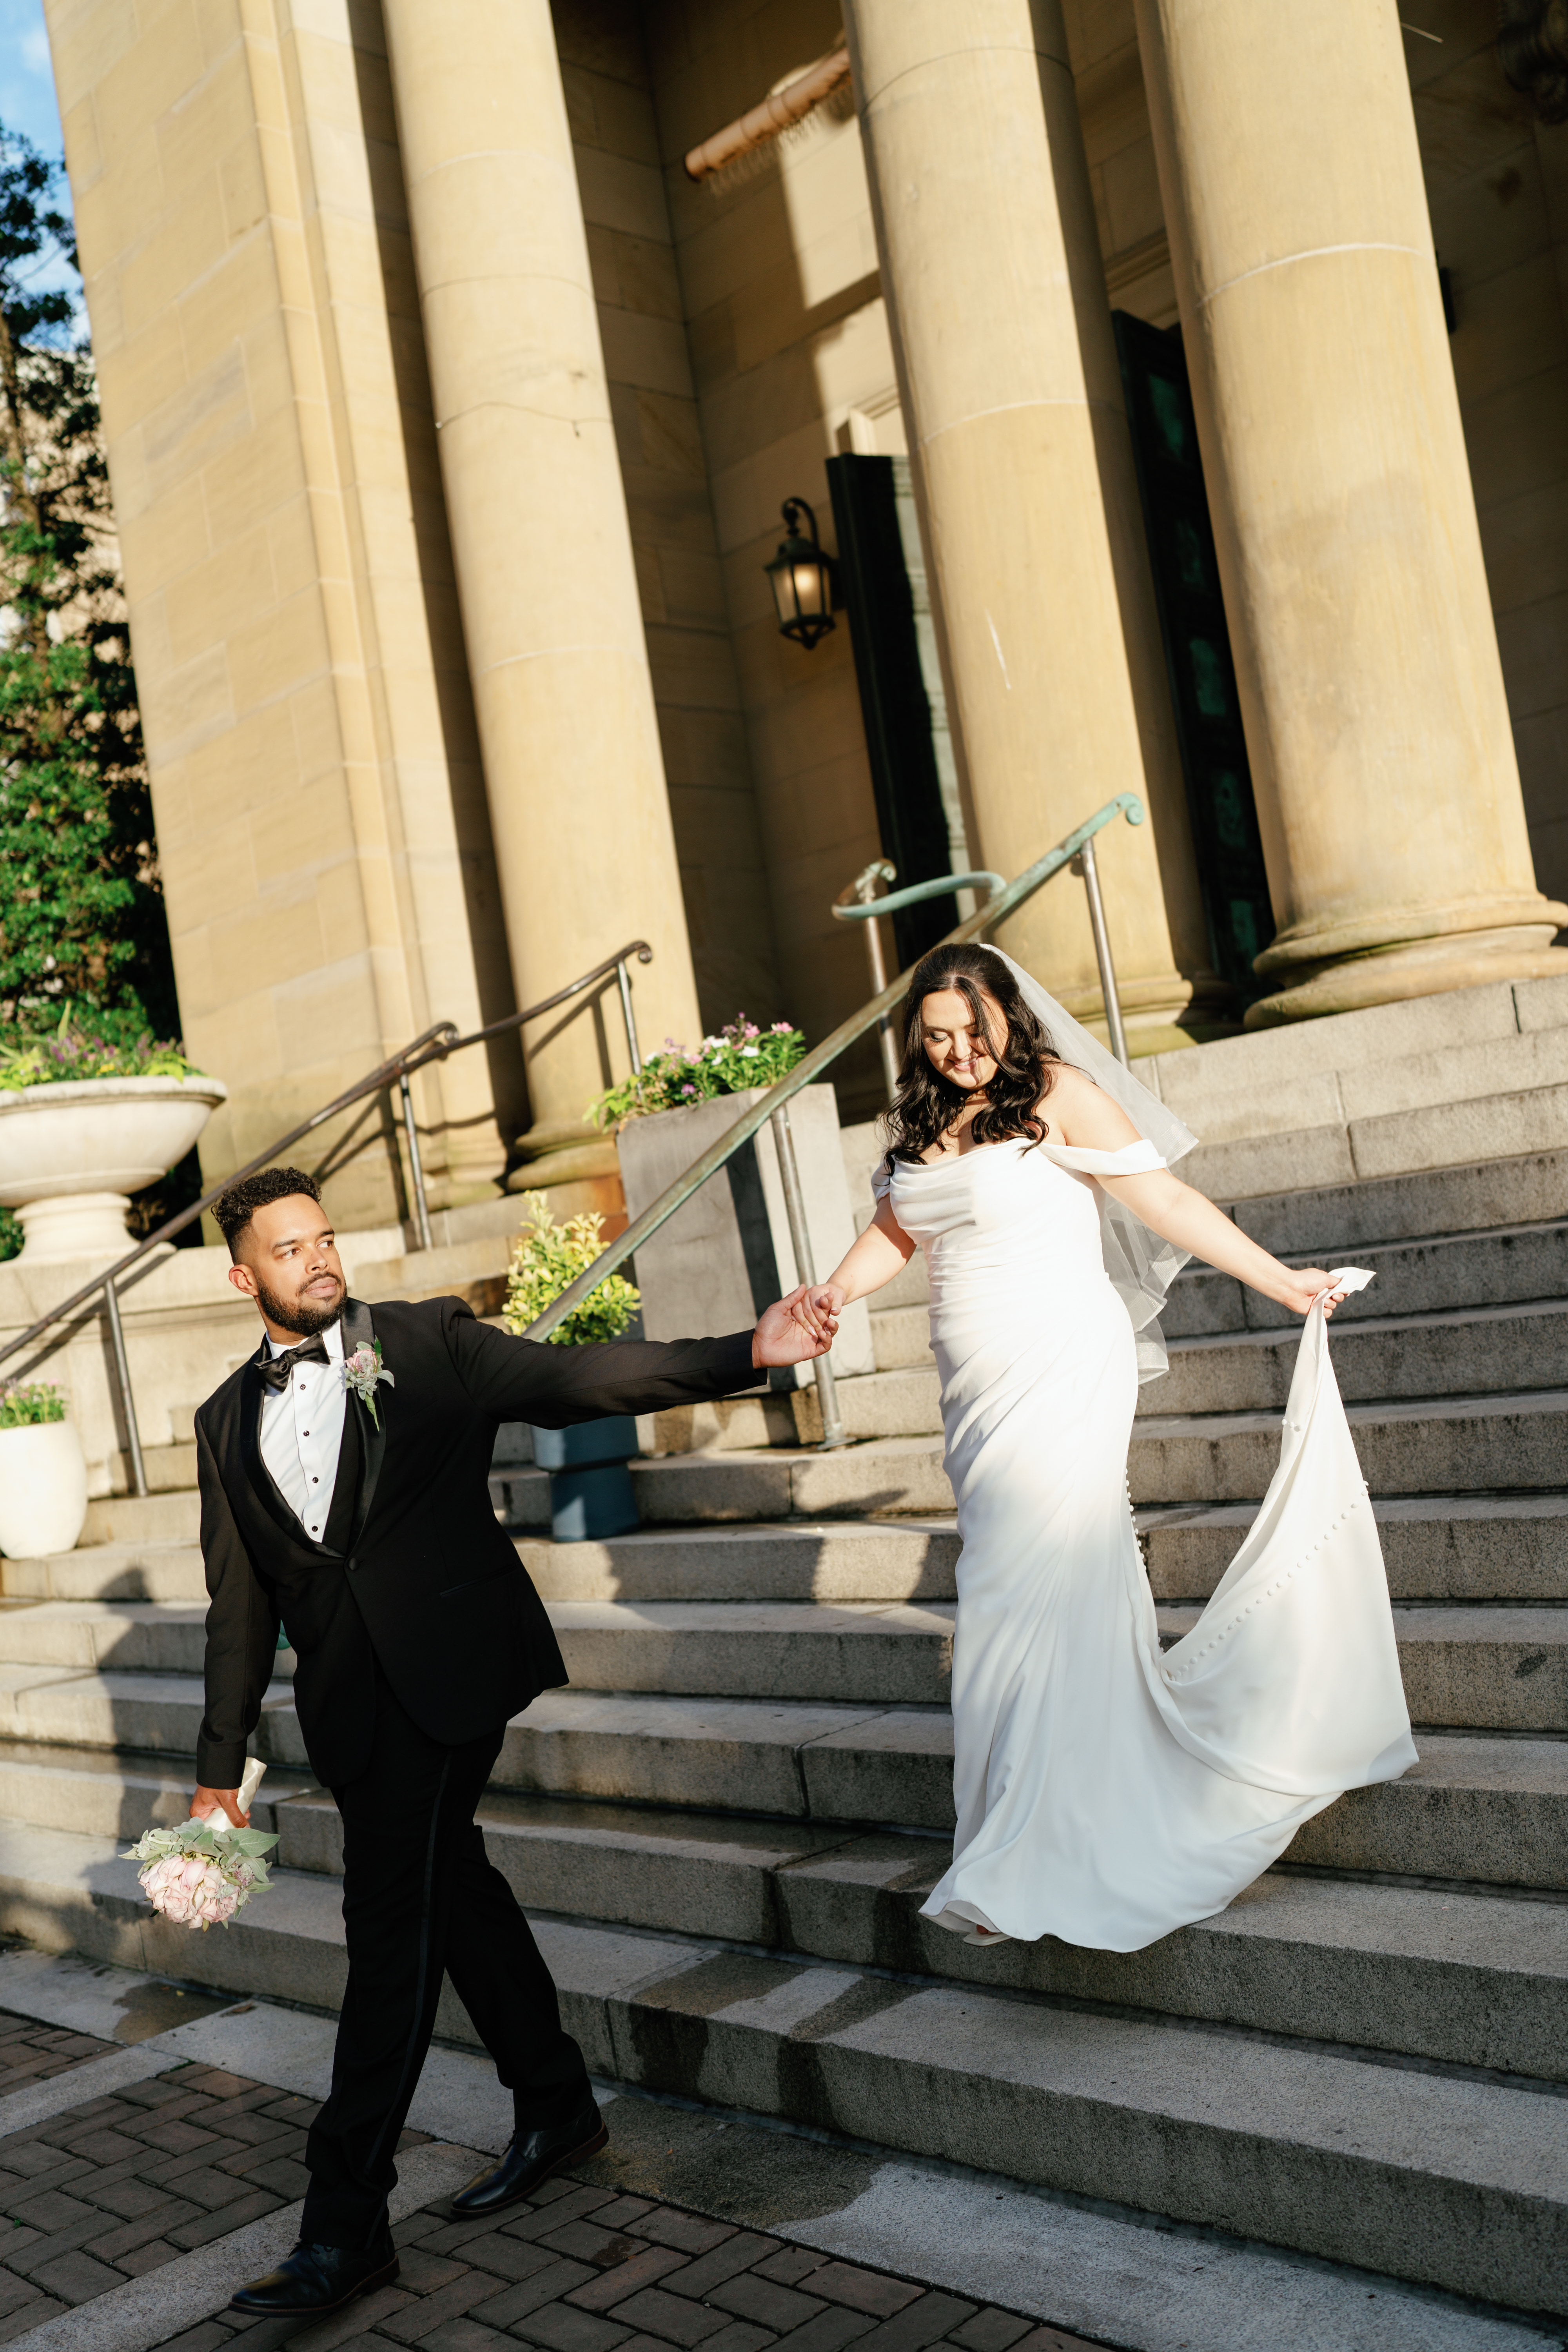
column 951, row 1159
column 948, row 1158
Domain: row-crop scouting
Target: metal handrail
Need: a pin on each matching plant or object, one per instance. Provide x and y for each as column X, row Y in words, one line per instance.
column 810, row 1067
column 864, row 909
column 433, row 1044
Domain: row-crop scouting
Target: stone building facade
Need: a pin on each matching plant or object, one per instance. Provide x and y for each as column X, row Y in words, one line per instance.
column 449, row 422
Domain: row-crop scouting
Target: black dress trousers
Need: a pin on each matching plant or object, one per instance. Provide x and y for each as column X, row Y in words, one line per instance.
column 420, row 1900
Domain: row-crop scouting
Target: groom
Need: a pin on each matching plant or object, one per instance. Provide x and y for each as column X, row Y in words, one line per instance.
column 356, row 1511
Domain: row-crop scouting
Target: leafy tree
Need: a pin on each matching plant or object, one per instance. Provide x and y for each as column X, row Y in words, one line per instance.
column 81, row 915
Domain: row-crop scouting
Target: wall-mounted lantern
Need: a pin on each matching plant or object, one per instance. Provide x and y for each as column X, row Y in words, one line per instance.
column 802, row 576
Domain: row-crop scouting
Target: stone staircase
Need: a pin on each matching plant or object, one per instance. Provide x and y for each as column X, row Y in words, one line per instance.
column 726, row 1825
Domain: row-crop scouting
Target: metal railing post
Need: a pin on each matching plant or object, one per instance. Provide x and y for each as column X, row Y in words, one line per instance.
column 416, row 1166
column 1102, row 955
column 866, row 893
column 800, row 1239
column 122, row 1376
column 624, row 981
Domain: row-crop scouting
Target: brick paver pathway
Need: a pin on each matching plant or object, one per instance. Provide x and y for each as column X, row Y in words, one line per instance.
column 584, row 2270
column 30, row 2051
column 120, row 2185
column 116, row 2187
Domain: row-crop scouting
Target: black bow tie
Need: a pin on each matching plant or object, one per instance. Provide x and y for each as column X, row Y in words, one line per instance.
column 274, row 1373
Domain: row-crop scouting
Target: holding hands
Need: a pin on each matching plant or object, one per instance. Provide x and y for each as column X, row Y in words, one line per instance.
column 786, row 1336
column 816, row 1307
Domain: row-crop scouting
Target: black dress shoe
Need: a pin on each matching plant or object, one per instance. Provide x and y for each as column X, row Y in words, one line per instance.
column 534, row 2154
column 315, row 2280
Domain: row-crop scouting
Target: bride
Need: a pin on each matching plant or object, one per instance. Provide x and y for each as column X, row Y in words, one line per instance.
column 1108, row 1793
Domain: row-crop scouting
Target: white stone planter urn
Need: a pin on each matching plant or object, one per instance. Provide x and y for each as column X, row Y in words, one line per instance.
column 726, row 1254
column 72, row 1150
column 42, row 1489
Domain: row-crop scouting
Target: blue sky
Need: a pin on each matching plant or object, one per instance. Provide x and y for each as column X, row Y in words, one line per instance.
column 28, row 91
column 26, row 85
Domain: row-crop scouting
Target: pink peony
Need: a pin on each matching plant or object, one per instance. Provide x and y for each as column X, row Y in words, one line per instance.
column 190, row 1890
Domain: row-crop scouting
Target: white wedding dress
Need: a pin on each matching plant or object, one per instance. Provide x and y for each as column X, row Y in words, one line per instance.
column 1108, row 1793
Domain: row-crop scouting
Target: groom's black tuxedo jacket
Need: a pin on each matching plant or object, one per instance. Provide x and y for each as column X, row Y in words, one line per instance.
column 414, row 1570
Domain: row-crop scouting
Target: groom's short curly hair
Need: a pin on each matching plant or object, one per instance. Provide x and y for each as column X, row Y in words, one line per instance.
column 233, row 1209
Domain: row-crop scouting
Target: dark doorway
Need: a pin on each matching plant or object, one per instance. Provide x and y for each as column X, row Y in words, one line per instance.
column 1197, row 649
column 882, row 582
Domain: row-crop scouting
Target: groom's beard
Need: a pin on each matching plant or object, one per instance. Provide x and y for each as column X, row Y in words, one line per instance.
column 300, row 1316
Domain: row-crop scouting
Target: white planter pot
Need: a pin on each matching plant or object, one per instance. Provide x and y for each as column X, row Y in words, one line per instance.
column 72, row 1150
column 42, row 1489
column 727, row 1253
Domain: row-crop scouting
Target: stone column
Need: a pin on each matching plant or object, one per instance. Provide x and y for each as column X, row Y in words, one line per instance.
column 1382, row 754
column 1022, row 465
column 543, row 553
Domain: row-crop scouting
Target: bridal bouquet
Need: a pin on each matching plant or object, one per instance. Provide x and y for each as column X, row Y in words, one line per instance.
column 203, row 1872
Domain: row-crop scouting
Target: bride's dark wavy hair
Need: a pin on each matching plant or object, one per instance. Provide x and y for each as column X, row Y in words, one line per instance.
column 926, row 1104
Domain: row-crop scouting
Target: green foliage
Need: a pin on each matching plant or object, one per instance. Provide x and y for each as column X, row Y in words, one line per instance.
column 546, row 1258
column 11, row 1236
column 741, row 1056
column 84, row 1045
column 195, row 1837
column 82, row 913
column 25, row 1408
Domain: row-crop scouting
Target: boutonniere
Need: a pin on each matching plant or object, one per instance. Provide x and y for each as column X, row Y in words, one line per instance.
column 363, row 1372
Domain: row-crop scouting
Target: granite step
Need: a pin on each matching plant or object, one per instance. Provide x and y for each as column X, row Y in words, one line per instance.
column 1494, row 1668
column 1480, row 1547
column 902, row 1403
column 1332, row 1223
column 886, row 1652
column 1439, row 1272
column 1492, row 1811
column 1454, row 1445
column 1436, row 1548
column 1487, row 1809
column 156, row 1713
column 1475, row 1667
column 109, row 1572
column 1455, row 1315
column 833, row 1561
column 126, row 1637
column 136, row 1519
column 1496, row 1546
column 1483, row 1444
column 100, row 1793
column 1473, row 1979
column 902, row 1337
column 1467, row 1352
column 1425, row 2171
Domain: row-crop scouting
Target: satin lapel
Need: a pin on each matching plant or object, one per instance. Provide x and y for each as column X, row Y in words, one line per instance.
column 360, row 1331
column 264, row 1485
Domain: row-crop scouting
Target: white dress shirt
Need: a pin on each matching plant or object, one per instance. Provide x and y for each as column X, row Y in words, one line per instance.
column 302, row 1432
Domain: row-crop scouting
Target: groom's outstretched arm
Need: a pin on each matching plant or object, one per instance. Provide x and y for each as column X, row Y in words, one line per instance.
column 527, row 1380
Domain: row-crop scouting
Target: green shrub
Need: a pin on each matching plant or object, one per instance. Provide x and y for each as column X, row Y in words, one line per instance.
column 25, row 1408
column 10, row 1235
column 741, row 1056
column 547, row 1257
